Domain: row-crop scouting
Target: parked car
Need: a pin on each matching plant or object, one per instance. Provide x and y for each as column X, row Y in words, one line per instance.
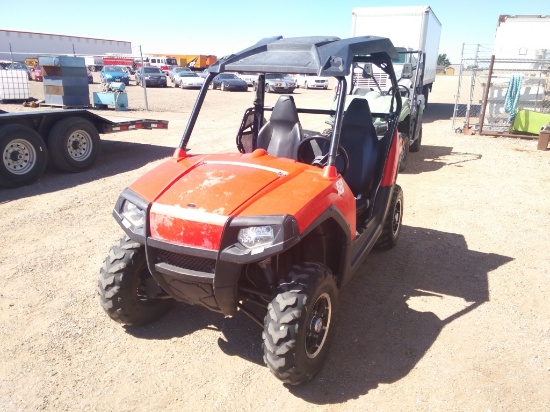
column 188, row 80
column 204, row 74
column 228, row 81
column 249, row 78
column 276, row 82
column 90, row 77
column 36, row 74
column 308, row 81
column 174, row 70
column 153, row 76
column 129, row 71
column 114, row 74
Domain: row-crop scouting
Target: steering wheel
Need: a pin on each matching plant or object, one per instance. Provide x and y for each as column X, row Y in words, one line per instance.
column 403, row 90
column 308, row 154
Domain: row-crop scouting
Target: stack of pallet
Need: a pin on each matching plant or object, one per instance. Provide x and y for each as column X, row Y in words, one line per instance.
column 65, row 81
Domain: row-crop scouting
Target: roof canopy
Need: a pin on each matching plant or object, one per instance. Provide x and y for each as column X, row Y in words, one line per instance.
column 323, row 56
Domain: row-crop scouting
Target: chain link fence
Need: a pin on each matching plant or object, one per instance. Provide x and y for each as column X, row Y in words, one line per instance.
column 501, row 97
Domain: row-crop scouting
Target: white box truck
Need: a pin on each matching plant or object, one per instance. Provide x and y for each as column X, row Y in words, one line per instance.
column 410, row 27
column 94, row 63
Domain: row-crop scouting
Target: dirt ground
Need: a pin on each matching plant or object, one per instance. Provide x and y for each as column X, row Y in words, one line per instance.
column 455, row 317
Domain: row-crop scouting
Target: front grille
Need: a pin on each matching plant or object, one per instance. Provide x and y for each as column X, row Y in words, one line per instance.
column 195, row 263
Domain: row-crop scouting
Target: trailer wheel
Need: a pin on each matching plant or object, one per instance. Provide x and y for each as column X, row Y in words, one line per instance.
column 73, row 144
column 24, row 155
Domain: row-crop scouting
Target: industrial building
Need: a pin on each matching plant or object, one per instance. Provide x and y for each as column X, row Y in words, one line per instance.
column 19, row 45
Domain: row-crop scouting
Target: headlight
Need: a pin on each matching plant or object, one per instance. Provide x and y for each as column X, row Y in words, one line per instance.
column 256, row 236
column 133, row 214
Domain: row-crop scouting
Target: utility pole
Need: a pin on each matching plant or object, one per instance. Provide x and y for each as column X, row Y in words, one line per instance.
column 144, row 82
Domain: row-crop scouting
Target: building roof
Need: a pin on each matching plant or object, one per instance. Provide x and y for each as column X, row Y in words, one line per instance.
column 60, row 35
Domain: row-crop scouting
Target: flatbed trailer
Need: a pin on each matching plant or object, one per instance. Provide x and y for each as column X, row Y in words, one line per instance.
column 68, row 138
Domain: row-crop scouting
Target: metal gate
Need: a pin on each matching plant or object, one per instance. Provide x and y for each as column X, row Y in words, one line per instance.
column 497, row 97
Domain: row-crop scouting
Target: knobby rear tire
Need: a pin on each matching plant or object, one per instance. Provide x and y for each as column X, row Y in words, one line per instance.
column 392, row 225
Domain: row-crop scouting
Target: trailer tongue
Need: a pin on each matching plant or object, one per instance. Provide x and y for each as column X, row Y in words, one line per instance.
column 71, row 137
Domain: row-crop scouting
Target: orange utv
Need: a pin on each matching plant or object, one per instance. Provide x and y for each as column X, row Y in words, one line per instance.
column 277, row 227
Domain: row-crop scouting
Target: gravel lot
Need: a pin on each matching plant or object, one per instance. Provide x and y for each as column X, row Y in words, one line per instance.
column 453, row 318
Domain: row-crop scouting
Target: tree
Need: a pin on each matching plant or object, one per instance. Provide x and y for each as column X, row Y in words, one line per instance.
column 442, row 60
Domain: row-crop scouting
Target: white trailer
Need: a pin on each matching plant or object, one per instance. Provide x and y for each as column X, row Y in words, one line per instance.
column 523, row 37
column 411, row 28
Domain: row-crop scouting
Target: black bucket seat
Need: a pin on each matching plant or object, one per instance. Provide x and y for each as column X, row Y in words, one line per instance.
column 282, row 133
column 358, row 138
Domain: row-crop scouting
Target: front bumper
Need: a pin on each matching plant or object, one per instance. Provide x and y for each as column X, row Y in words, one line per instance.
column 124, row 80
column 191, row 85
column 278, row 89
column 231, row 87
column 207, row 277
column 317, row 85
column 155, row 82
column 210, row 278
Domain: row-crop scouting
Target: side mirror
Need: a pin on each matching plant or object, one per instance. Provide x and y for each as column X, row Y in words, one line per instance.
column 407, row 71
column 367, row 70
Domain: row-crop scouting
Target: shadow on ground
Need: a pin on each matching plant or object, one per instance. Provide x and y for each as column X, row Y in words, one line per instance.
column 438, row 111
column 380, row 337
column 433, row 158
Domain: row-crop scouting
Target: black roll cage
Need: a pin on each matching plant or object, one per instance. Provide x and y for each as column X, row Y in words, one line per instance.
column 304, row 55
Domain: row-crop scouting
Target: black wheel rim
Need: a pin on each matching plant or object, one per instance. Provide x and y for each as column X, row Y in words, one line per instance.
column 318, row 324
column 396, row 219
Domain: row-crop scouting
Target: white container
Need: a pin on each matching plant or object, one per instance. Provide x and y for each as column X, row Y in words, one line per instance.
column 14, row 85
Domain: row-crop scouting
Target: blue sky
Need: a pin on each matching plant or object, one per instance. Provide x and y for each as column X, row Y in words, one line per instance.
column 222, row 27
